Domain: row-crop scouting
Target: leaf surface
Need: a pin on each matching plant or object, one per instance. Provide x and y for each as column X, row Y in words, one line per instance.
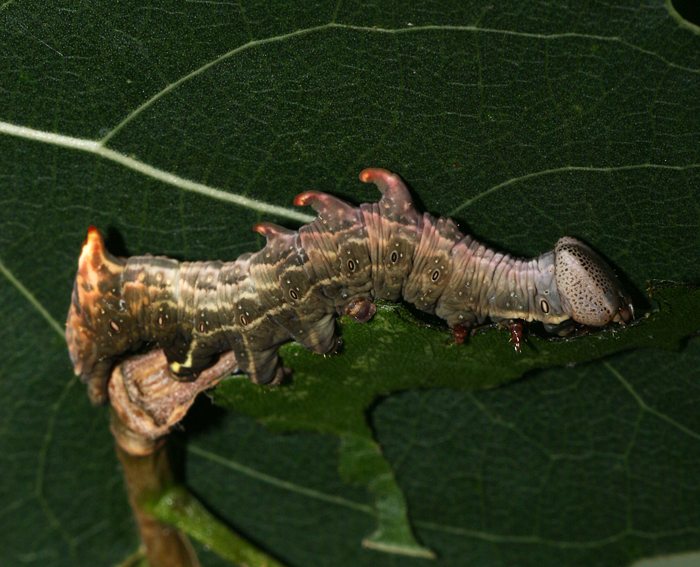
column 175, row 126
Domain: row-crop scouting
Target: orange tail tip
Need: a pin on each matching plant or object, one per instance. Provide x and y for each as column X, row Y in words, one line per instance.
column 94, row 256
column 93, row 249
column 93, row 237
column 96, row 287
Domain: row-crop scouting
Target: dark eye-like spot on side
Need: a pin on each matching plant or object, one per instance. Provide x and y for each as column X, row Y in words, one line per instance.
column 435, row 275
column 293, row 294
column 244, row 320
column 351, row 265
column 113, row 325
column 394, row 257
column 544, row 306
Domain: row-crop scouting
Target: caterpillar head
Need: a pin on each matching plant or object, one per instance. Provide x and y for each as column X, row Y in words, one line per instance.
column 590, row 292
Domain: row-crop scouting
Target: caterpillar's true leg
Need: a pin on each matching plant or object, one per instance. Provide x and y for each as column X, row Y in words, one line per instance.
column 460, row 332
column 516, row 334
column 265, row 367
column 361, row 309
column 321, row 337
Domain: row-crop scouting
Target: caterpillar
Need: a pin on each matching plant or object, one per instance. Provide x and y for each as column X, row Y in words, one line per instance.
column 294, row 288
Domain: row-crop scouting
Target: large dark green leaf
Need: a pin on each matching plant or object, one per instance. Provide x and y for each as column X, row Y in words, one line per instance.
column 172, row 126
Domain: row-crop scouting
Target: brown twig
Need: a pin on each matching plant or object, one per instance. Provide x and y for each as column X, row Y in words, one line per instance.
column 146, row 403
column 146, row 476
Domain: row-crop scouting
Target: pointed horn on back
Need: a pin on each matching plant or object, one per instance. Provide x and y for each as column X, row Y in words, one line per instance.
column 396, row 202
column 271, row 230
column 388, row 183
column 323, row 203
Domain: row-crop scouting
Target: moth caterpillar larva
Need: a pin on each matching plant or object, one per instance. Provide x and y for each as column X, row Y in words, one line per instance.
column 294, row 288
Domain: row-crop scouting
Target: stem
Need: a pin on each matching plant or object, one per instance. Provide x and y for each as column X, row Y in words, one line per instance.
column 146, row 403
column 180, row 508
column 147, row 475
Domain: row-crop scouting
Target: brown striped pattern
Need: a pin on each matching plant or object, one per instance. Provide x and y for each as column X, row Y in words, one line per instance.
column 296, row 285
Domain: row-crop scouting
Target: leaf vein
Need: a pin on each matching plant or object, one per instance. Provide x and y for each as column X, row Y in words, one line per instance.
column 277, row 482
column 562, row 544
column 93, row 147
column 370, row 29
column 31, row 298
column 646, row 407
column 46, row 508
column 563, row 169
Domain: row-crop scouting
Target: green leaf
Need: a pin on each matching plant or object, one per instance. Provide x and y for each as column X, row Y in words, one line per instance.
column 334, row 395
column 175, row 126
column 607, row 448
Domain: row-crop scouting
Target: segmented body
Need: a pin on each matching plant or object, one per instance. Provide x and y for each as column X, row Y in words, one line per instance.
column 294, row 288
